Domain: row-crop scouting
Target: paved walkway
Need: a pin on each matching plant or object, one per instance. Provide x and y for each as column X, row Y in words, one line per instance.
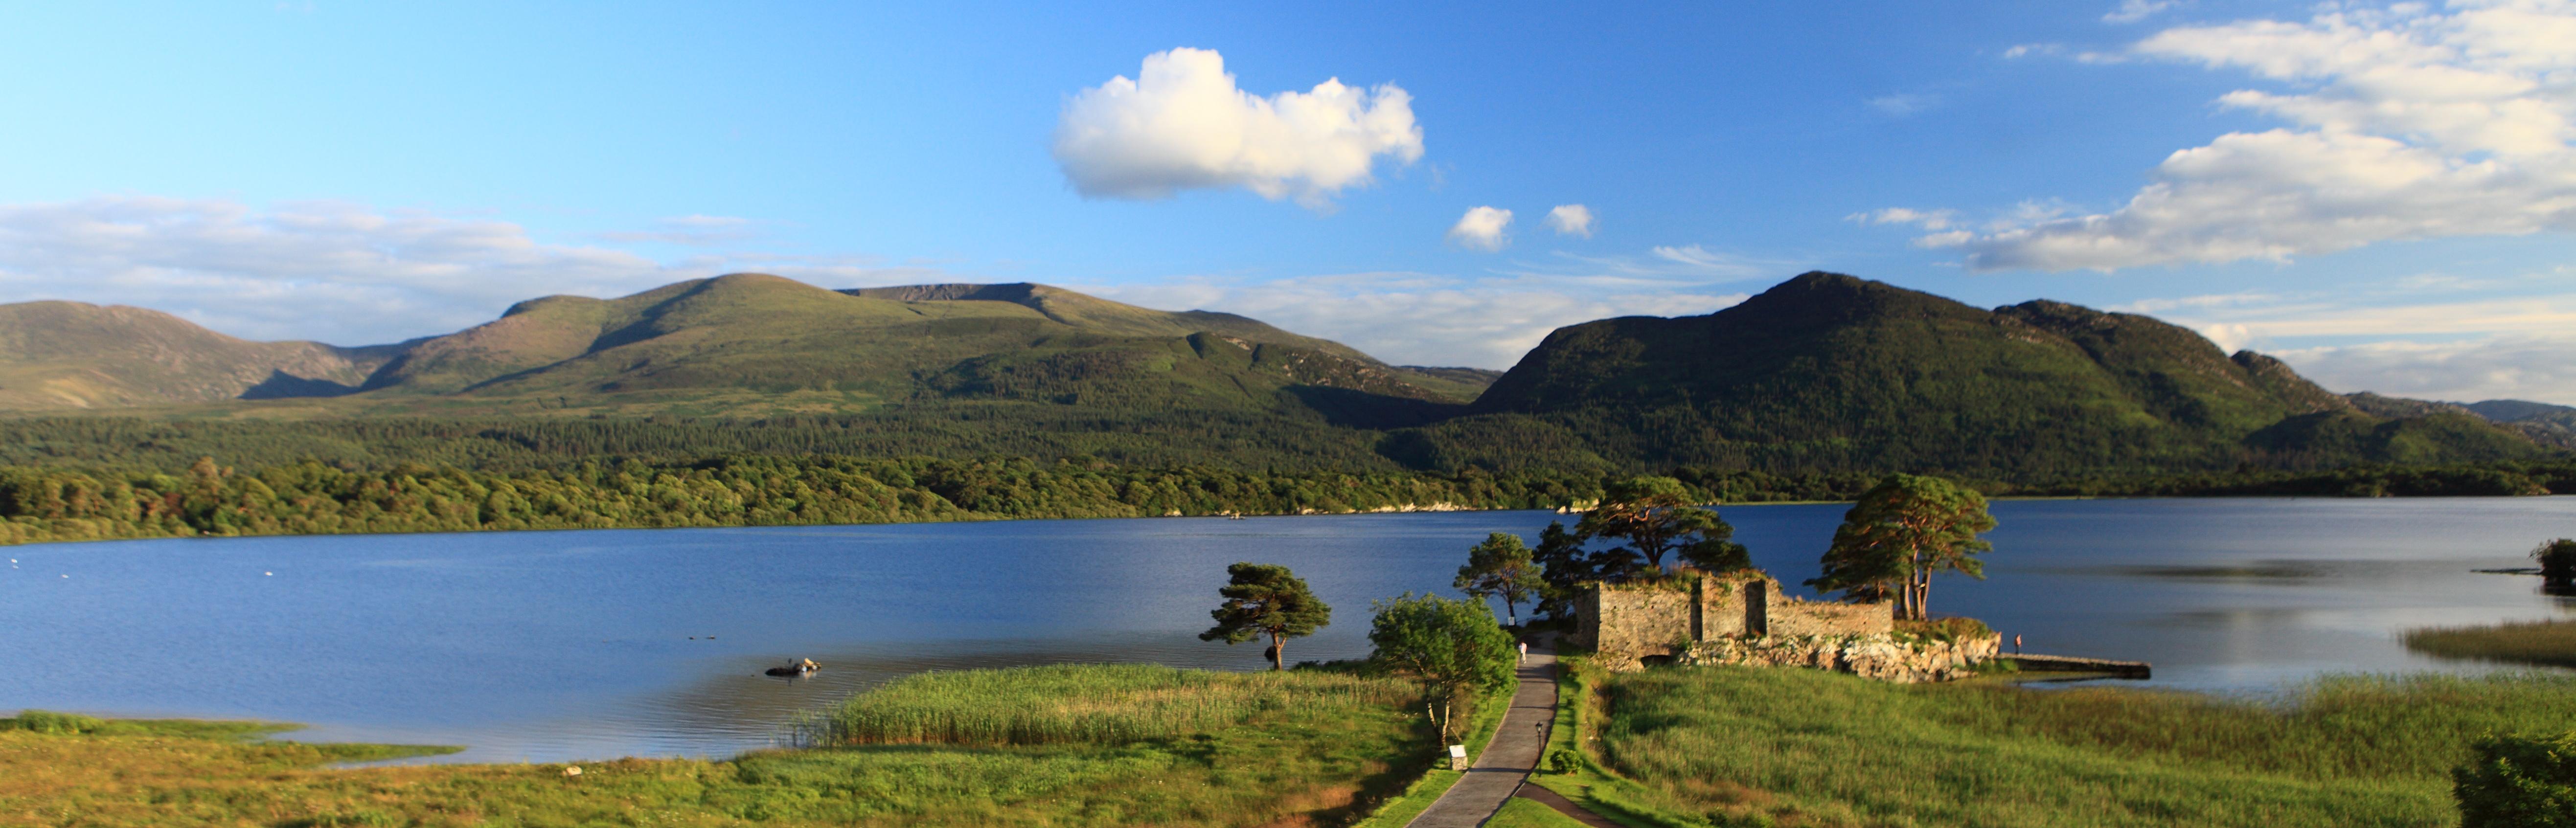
column 1509, row 758
column 1564, row 806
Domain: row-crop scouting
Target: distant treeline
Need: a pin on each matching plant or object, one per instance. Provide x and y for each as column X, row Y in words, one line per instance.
column 2483, row 479
column 61, row 504
column 48, row 504
column 1236, row 440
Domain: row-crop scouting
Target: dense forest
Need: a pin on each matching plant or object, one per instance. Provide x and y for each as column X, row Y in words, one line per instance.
column 61, row 504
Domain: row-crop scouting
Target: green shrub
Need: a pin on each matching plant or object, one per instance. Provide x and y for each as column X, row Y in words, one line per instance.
column 2557, row 561
column 2518, row 782
column 1946, row 629
column 46, row 721
column 1563, row 760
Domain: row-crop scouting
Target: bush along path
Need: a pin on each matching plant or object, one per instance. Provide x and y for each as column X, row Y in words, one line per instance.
column 1507, row 761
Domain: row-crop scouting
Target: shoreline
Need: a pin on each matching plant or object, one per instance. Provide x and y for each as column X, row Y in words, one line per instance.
column 1220, row 515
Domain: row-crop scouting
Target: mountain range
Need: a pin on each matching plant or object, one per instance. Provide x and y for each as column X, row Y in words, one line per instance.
column 1824, row 371
column 747, row 343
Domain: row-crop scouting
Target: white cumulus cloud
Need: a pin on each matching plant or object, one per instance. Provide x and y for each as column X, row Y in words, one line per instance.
column 1482, row 228
column 2402, row 124
column 1183, row 124
column 1571, row 220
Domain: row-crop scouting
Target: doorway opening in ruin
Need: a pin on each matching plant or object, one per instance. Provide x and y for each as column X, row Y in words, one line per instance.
column 1757, row 608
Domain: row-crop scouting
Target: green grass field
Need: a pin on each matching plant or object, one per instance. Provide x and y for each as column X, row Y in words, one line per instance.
column 1729, row 746
column 2547, row 643
column 1054, row 746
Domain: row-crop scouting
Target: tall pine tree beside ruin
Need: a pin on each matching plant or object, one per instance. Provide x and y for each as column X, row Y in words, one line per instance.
column 1899, row 535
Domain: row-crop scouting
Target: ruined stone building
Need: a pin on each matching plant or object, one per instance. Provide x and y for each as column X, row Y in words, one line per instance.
column 1629, row 622
column 1741, row 617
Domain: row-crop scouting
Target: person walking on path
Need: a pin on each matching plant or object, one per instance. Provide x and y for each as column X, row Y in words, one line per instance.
column 1525, row 649
column 1510, row 757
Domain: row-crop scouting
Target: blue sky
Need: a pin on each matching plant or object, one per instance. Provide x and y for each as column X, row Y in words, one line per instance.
column 2381, row 194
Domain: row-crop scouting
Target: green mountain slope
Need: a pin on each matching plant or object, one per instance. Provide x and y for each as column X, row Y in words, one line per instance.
column 743, row 338
column 742, row 344
column 1831, row 371
column 76, row 355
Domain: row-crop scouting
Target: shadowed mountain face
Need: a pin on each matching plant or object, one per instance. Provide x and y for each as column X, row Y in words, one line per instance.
column 58, row 355
column 1828, row 370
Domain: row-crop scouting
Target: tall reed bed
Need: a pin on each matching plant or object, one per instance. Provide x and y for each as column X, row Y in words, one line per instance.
column 2547, row 643
column 1090, row 704
column 1754, row 746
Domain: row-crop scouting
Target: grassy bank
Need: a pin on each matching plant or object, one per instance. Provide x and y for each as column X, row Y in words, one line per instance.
column 1795, row 747
column 1126, row 745
column 2547, row 643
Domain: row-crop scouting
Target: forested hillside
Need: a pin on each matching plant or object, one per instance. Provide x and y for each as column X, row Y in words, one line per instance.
column 1829, row 371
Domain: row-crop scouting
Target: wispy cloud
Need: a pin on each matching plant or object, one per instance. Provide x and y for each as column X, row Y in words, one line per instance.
column 2403, row 124
column 1901, row 105
column 694, row 231
column 1418, row 318
column 339, row 272
column 2387, row 337
column 2538, row 367
column 2132, row 11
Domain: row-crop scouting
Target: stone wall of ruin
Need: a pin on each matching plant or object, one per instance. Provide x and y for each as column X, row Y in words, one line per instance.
column 1882, row 656
column 1793, row 617
column 1625, row 624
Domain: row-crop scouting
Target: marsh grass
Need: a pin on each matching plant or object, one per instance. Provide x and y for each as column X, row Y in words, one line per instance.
column 2546, row 643
column 1745, row 746
column 1127, row 746
column 1088, row 704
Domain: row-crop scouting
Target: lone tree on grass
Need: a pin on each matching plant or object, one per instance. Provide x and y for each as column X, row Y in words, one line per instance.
column 1902, row 531
column 1263, row 599
column 1501, row 566
column 1657, row 517
column 1448, row 646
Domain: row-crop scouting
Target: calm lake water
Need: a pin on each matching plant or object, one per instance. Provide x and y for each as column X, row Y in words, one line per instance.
column 550, row 646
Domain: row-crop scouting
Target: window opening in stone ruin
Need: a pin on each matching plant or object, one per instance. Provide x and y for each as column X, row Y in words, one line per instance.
column 1757, row 608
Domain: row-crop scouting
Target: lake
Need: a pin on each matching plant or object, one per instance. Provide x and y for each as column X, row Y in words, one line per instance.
column 549, row 646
